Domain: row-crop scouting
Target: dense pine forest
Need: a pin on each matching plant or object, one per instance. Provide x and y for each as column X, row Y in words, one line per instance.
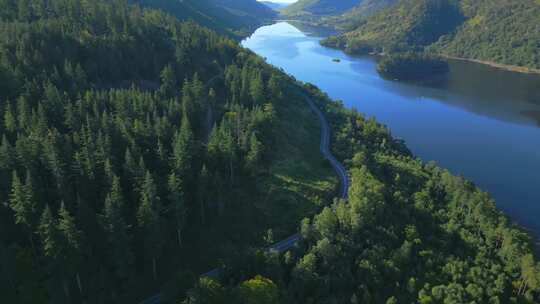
column 138, row 151
column 500, row 31
column 133, row 146
column 343, row 15
column 409, row 232
column 235, row 18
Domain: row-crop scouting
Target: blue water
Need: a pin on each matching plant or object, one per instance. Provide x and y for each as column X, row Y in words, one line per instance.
column 478, row 121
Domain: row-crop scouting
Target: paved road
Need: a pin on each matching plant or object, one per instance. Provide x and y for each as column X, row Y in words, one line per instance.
column 289, row 242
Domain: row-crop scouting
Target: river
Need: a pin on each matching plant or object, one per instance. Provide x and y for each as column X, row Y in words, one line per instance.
column 478, row 121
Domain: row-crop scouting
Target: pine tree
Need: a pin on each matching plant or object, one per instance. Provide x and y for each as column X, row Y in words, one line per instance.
column 203, row 190
column 182, row 150
column 254, row 154
column 117, row 231
column 148, row 220
column 168, row 82
column 177, row 204
column 71, row 247
column 10, row 121
column 256, row 89
column 51, row 239
column 24, row 206
column 23, row 113
column 49, row 233
column 6, row 154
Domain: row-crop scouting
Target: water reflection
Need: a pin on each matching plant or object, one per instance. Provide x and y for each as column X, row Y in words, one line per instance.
column 477, row 121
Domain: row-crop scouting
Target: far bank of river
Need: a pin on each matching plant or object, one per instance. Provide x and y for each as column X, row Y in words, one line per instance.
column 479, row 122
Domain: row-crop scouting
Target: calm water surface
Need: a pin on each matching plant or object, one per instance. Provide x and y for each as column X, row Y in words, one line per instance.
column 479, row 122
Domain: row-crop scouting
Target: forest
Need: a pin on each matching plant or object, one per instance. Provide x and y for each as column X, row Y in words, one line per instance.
column 411, row 66
column 136, row 148
column 500, row 31
column 138, row 151
column 234, row 18
column 409, row 232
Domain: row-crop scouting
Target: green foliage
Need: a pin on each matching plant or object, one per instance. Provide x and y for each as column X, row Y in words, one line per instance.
column 411, row 66
column 409, row 232
column 136, row 148
column 230, row 17
column 319, row 7
column 498, row 31
column 407, row 25
column 258, row 290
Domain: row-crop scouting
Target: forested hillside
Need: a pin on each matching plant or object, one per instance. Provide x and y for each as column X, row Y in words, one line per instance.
column 501, row 31
column 410, row 232
column 138, row 151
column 319, row 7
column 342, row 15
column 135, row 149
column 237, row 17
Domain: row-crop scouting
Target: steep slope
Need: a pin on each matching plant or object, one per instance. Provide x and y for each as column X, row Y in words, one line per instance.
column 274, row 5
column 506, row 32
column 410, row 24
column 409, row 232
column 354, row 17
column 502, row 31
column 342, row 15
column 319, row 7
column 135, row 148
column 224, row 16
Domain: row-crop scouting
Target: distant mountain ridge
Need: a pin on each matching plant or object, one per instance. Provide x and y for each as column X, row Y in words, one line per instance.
column 274, row 5
column 320, row 7
column 341, row 14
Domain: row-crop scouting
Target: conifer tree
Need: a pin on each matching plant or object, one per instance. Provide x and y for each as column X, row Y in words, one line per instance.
column 168, row 82
column 254, row 154
column 10, row 120
column 71, row 248
column 148, row 220
column 256, row 89
column 117, row 231
column 203, row 192
column 24, row 206
column 182, row 150
column 177, row 204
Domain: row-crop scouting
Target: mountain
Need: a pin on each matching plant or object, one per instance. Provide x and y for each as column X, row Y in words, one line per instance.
column 138, row 151
column 319, row 7
column 501, row 31
column 274, row 5
column 136, row 148
column 342, row 15
column 224, row 16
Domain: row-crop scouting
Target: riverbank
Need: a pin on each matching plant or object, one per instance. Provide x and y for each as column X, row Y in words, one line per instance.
column 473, row 111
column 506, row 67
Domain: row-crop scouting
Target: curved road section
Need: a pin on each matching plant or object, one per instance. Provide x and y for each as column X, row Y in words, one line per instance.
column 289, row 242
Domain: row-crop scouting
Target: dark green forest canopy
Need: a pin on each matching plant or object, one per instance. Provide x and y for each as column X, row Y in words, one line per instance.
column 134, row 147
column 501, row 31
column 411, row 66
column 343, row 15
column 236, row 18
column 409, row 232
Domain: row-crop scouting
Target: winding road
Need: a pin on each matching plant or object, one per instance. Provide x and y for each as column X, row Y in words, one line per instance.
column 340, row 170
